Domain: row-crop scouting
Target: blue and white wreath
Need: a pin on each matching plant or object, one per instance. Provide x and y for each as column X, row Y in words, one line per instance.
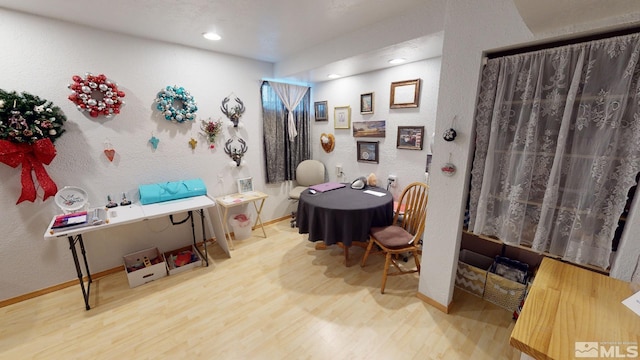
column 172, row 95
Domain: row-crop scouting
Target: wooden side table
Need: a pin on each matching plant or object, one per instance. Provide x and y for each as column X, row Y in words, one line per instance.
column 572, row 313
column 237, row 199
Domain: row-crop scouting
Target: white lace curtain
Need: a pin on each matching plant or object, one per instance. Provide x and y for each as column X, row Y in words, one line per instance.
column 558, row 147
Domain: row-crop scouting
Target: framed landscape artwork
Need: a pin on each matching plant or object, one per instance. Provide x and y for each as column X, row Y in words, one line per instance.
column 376, row 128
column 410, row 137
column 368, row 152
column 405, row 94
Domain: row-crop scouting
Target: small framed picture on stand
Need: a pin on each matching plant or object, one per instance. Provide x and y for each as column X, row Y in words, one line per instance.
column 245, row 185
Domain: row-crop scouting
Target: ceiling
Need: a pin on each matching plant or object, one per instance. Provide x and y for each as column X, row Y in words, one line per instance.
column 305, row 39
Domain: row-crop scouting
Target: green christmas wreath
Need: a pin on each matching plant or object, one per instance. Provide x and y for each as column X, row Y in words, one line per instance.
column 25, row 118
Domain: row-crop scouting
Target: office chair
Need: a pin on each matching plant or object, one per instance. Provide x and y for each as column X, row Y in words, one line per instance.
column 308, row 173
column 403, row 235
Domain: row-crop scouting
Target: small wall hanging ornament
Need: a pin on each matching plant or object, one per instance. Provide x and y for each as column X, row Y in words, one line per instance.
column 193, row 142
column 211, row 129
column 328, row 142
column 234, row 113
column 176, row 95
column 448, row 169
column 109, row 152
column 97, row 95
column 450, row 134
column 154, row 141
column 236, row 154
column 28, row 127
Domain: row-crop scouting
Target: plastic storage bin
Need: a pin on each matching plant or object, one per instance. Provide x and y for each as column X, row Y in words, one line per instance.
column 241, row 225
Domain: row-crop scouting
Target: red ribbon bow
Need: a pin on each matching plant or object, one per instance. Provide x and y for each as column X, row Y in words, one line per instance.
column 31, row 156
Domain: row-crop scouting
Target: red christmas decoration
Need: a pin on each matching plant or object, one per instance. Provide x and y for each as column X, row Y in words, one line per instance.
column 31, row 157
column 97, row 95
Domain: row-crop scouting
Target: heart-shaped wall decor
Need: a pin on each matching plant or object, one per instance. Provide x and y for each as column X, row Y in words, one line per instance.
column 110, row 154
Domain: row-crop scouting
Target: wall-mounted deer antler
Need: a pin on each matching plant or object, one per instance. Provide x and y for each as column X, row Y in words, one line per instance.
column 236, row 154
column 235, row 113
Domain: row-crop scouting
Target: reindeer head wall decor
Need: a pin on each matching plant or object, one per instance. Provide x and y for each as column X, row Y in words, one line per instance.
column 236, row 154
column 234, row 113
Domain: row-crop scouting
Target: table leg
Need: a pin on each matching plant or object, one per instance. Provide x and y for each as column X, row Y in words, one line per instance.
column 227, row 232
column 360, row 244
column 204, row 237
column 204, row 255
column 346, row 253
column 258, row 218
column 346, row 256
column 72, row 246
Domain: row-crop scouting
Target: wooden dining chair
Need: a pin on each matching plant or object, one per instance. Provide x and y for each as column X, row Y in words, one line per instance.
column 403, row 236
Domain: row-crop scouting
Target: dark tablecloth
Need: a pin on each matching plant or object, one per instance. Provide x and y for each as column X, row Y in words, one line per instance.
column 343, row 215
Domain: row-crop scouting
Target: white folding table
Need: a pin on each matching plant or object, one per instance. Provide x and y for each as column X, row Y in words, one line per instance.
column 136, row 212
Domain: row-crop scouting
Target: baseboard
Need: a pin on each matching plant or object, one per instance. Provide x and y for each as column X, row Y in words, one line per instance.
column 53, row 288
column 98, row 275
column 69, row 283
column 435, row 304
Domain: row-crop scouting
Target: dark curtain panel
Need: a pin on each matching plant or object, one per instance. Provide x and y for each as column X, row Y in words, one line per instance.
column 282, row 156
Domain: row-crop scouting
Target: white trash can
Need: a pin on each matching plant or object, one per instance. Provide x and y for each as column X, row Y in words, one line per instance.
column 241, row 224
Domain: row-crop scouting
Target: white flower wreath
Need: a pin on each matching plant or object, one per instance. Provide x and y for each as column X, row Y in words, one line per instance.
column 168, row 97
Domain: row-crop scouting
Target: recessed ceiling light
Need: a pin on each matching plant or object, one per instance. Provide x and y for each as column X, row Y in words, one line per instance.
column 333, row 76
column 211, row 36
column 397, row 61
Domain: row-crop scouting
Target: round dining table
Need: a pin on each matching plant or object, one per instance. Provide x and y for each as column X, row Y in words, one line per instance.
column 343, row 216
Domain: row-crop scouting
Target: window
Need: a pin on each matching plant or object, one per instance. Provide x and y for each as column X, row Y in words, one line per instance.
column 558, row 147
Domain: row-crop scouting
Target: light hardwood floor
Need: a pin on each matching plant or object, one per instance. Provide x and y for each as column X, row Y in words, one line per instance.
column 276, row 298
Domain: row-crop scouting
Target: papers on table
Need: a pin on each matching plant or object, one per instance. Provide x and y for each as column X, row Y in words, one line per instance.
column 239, row 198
column 633, row 302
column 231, row 199
column 376, row 193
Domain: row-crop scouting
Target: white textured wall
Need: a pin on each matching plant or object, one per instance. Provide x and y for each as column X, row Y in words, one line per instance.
column 40, row 57
column 408, row 165
column 470, row 29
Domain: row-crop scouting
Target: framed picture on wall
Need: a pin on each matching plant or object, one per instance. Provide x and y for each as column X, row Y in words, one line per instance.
column 366, row 103
column 245, row 185
column 410, row 137
column 371, row 128
column 320, row 109
column 342, row 117
column 368, row 152
column 405, row 94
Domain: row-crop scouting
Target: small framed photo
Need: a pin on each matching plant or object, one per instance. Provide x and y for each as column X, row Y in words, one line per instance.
column 405, row 94
column 366, row 103
column 368, row 151
column 245, row 185
column 320, row 108
column 342, row 117
column 410, row 137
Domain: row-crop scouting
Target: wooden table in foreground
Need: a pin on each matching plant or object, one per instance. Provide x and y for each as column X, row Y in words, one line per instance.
column 229, row 201
column 572, row 313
